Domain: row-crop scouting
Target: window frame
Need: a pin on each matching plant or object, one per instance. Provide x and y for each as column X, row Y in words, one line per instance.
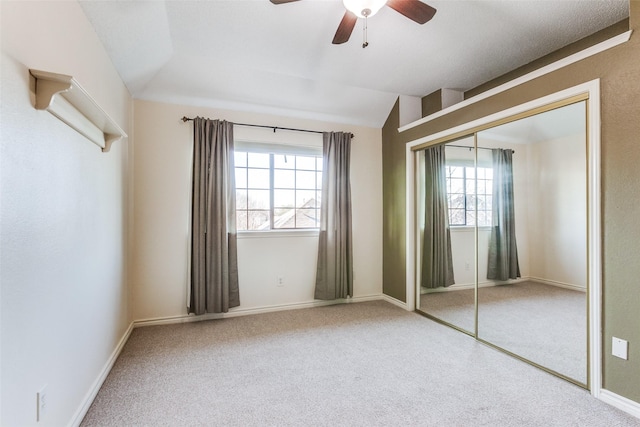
column 466, row 208
column 273, row 150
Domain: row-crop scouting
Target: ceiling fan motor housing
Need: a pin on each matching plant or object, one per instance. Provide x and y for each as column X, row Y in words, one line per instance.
column 415, row 10
column 364, row 8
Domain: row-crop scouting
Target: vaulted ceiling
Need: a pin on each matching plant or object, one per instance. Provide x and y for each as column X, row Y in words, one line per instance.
column 253, row 55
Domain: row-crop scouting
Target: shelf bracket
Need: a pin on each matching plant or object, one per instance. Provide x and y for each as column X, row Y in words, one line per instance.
column 62, row 96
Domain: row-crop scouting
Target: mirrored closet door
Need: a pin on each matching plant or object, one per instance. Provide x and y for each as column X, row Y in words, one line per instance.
column 447, row 217
column 502, row 237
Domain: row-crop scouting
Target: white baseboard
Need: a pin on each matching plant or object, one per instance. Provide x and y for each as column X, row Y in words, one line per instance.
column 627, row 405
column 395, row 301
column 250, row 311
column 557, row 284
column 615, row 400
column 467, row 286
column 489, row 283
column 95, row 387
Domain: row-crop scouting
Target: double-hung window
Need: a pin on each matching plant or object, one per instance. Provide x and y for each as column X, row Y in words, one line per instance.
column 466, row 186
column 278, row 187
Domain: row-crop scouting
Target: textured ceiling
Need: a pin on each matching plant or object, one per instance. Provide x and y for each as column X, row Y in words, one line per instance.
column 255, row 56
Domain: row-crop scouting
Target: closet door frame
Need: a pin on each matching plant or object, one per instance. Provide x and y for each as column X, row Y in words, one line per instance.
column 590, row 91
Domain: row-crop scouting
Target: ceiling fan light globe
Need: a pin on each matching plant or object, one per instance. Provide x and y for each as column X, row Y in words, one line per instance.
column 357, row 7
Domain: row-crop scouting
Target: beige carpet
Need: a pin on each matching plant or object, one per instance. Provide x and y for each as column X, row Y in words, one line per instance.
column 365, row 364
column 545, row 324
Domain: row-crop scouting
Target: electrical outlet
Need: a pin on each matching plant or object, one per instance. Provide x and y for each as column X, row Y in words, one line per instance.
column 467, row 266
column 41, row 401
column 279, row 281
column 620, row 348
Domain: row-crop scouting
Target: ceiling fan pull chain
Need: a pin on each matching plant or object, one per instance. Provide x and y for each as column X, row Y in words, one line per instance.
column 365, row 43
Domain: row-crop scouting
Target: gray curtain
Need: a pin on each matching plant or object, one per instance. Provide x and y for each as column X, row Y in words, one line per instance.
column 503, row 252
column 437, row 261
column 214, row 260
column 334, row 275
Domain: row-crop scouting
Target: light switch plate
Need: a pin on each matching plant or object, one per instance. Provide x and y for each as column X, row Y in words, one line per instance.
column 620, row 348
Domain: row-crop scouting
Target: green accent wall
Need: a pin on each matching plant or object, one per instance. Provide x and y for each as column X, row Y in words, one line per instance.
column 619, row 72
column 393, row 205
column 432, row 103
column 600, row 36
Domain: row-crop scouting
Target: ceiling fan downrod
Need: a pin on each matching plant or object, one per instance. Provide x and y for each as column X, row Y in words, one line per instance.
column 415, row 10
column 365, row 13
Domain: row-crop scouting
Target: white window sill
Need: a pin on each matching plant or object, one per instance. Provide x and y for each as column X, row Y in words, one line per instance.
column 467, row 228
column 277, row 234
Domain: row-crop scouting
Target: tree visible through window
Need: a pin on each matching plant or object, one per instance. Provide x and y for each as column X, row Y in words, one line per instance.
column 462, row 195
column 277, row 191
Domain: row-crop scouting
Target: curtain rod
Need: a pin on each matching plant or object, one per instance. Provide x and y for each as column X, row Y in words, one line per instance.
column 470, row 148
column 186, row 119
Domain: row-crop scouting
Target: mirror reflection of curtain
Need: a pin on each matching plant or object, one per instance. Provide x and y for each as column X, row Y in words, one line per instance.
column 503, row 252
column 437, row 261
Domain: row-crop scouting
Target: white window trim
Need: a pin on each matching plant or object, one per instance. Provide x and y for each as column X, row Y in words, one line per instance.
column 465, row 164
column 303, row 149
column 279, row 233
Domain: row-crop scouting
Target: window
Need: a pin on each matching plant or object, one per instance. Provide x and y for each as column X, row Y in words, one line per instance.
column 462, row 195
column 277, row 191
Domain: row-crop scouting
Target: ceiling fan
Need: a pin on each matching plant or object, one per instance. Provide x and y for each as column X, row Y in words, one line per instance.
column 412, row 9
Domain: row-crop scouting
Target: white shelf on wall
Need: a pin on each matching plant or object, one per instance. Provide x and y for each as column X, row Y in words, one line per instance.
column 62, row 96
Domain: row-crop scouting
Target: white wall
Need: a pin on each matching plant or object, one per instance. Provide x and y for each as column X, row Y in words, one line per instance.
column 63, row 219
column 463, row 238
column 521, row 200
column 557, row 211
column 162, row 188
column 550, row 205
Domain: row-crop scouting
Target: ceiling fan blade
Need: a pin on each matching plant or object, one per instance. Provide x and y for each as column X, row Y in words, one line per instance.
column 282, row 1
column 345, row 28
column 413, row 9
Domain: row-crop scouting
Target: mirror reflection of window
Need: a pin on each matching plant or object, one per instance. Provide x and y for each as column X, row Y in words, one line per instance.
column 464, row 190
column 525, row 189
